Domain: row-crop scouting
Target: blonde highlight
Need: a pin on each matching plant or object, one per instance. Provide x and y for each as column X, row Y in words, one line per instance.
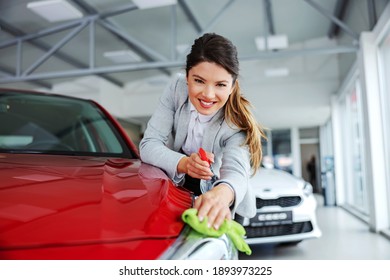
column 238, row 112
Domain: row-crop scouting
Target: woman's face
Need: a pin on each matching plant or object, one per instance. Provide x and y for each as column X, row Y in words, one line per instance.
column 209, row 87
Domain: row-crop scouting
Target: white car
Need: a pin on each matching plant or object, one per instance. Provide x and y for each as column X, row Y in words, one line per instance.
column 286, row 209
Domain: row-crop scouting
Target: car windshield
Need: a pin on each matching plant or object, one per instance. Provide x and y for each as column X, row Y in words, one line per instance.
column 37, row 123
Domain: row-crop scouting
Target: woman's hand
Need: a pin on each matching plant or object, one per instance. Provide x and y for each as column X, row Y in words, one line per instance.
column 195, row 167
column 214, row 205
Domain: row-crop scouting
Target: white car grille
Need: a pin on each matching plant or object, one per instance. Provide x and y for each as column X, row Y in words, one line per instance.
column 286, row 201
column 278, row 230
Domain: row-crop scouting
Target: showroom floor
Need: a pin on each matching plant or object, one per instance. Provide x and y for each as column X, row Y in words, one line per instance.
column 344, row 237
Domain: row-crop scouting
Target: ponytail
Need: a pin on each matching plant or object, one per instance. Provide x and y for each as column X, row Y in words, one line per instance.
column 237, row 111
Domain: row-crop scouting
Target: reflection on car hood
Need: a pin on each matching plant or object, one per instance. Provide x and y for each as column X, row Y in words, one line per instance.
column 273, row 182
column 48, row 200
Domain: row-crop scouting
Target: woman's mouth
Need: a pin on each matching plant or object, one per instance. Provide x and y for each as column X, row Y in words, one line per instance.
column 206, row 104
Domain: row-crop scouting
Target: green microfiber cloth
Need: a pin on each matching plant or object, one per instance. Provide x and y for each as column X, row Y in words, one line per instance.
column 231, row 228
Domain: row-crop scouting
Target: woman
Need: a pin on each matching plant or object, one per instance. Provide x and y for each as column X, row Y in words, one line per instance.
column 205, row 109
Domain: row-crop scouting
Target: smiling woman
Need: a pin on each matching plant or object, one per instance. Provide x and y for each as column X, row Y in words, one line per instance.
column 205, row 109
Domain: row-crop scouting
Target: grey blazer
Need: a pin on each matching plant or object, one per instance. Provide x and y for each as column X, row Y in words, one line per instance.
column 166, row 133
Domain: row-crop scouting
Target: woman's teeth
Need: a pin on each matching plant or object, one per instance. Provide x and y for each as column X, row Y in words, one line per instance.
column 206, row 103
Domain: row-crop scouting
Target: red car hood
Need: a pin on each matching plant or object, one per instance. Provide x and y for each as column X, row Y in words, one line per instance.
column 49, row 201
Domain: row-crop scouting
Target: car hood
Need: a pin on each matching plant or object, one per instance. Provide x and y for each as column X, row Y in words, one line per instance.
column 54, row 201
column 270, row 183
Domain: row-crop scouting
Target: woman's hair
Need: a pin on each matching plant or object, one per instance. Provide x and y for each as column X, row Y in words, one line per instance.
column 217, row 49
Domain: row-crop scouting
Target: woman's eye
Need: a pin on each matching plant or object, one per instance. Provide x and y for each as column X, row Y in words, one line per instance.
column 198, row 81
column 221, row 85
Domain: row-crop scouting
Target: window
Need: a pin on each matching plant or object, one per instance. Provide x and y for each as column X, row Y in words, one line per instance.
column 277, row 150
column 356, row 192
column 54, row 124
column 384, row 77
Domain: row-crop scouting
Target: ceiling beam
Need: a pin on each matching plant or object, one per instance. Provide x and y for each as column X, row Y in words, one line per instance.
column 190, row 15
column 101, row 18
column 141, row 49
column 217, row 16
column 9, row 73
column 268, row 22
column 339, row 12
column 45, row 47
column 334, row 19
column 146, row 52
column 53, row 49
column 213, row 21
column 372, row 16
column 176, row 63
column 269, row 17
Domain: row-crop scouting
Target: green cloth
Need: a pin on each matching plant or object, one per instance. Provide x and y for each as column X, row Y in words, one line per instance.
column 232, row 229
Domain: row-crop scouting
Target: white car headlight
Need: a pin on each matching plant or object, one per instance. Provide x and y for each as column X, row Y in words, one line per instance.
column 308, row 189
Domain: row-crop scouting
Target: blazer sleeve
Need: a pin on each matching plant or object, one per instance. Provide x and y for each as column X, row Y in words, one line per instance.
column 236, row 171
column 155, row 145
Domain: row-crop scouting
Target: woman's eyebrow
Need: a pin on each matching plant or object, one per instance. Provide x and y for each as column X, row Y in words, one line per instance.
column 199, row 77
column 217, row 82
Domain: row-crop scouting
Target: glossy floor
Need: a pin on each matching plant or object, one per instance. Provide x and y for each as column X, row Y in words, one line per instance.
column 344, row 237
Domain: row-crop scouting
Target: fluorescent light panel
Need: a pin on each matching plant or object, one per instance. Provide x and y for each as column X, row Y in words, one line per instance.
column 147, row 4
column 54, row 10
column 275, row 42
column 123, row 56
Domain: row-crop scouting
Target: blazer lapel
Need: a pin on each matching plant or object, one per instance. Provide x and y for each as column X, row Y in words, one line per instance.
column 182, row 126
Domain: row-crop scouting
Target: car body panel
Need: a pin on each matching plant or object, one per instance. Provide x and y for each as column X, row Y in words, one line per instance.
column 286, row 212
column 54, row 201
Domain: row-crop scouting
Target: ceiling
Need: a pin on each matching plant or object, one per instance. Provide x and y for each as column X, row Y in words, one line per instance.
column 322, row 39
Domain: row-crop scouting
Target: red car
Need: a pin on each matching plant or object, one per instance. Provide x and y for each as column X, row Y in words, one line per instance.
column 72, row 186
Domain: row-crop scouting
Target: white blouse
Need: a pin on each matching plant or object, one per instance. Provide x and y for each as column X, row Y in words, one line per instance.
column 198, row 124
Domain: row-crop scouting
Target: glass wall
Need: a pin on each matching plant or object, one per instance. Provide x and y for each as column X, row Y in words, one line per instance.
column 281, row 149
column 354, row 183
column 277, row 150
column 327, row 164
column 384, row 77
column 361, row 122
column 358, row 195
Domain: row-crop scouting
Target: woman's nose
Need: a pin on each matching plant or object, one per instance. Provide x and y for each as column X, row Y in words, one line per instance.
column 208, row 91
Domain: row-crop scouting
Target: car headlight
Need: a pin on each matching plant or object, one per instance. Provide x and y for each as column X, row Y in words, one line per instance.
column 308, row 189
column 191, row 245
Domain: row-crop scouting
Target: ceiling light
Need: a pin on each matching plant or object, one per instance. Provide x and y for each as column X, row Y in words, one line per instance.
column 275, row 42
column 276, row 72
column 146, row 4
column 54, row 10
column 124, row 56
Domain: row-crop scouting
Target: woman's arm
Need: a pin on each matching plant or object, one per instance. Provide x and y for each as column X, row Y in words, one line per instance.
column 154, row 147
column 232, row 192
column 236, row 171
